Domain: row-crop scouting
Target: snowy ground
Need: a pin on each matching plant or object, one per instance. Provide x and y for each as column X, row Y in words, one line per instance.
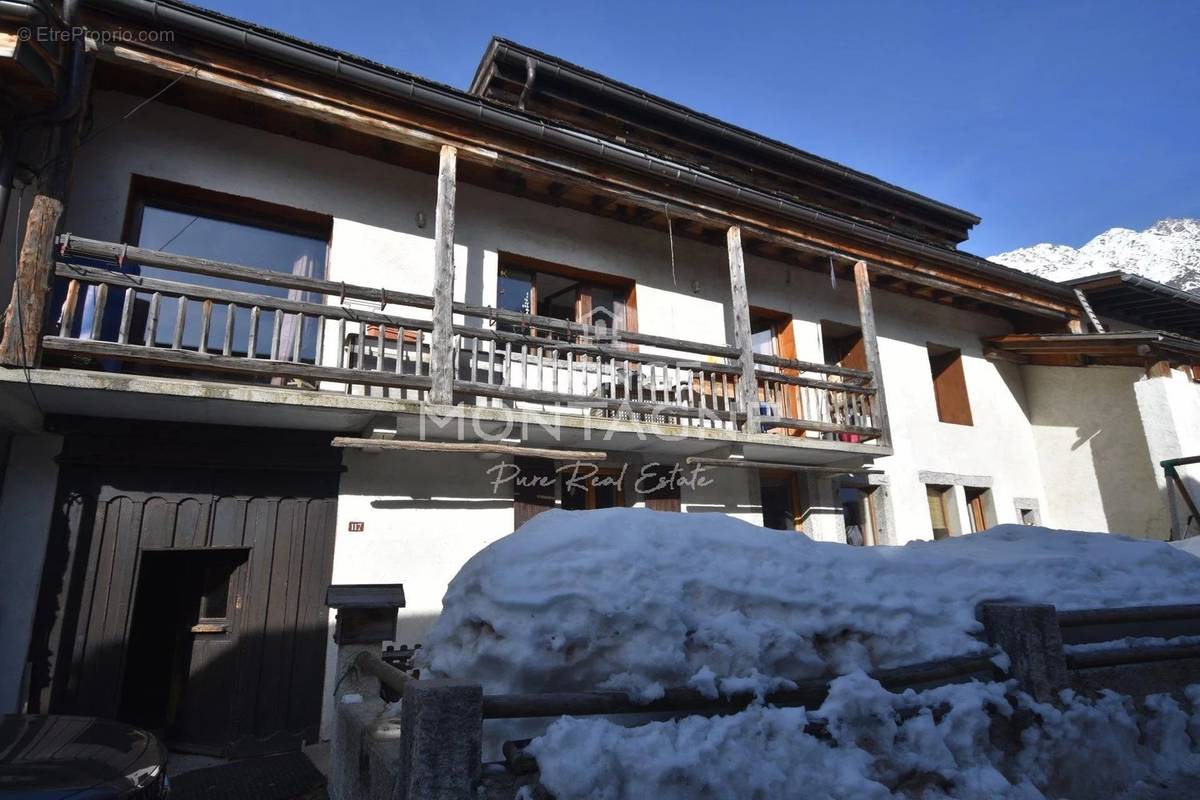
column 976, row 741
column 643, row 601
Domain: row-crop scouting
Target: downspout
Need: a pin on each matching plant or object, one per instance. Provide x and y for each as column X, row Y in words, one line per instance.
column 70, row 99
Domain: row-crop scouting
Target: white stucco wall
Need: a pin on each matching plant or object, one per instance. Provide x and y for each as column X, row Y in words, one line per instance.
column 376, row 241
column 1170, row 413
column 27, row 502
column 1092, row 448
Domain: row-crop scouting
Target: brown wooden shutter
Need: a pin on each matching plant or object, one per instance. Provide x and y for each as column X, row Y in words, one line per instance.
column 950, row 387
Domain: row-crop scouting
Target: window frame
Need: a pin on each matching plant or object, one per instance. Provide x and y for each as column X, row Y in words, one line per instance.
column 790, row 478
column 946, row 499
column 624, row 289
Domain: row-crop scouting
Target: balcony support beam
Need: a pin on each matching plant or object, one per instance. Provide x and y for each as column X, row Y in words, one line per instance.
column 442, row 351
column 866, row 315
column 747, row 390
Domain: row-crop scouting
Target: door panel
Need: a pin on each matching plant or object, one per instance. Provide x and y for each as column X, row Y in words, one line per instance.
column 108, row 518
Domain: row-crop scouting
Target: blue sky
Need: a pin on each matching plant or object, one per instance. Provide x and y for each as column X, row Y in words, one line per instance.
column 1052, row 121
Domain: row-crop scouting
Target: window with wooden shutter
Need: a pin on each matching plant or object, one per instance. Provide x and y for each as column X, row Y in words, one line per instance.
column 949, row 385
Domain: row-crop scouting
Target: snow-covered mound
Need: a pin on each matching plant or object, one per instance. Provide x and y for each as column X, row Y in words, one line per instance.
column 645, row 600
column 1168, row 252
column 934, row 744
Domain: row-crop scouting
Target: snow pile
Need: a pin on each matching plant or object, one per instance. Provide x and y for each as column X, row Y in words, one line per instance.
column 643, row 600
column 963, row 741
column 1190, row 545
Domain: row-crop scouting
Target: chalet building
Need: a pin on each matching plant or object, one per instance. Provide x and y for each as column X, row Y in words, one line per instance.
column 279, row 316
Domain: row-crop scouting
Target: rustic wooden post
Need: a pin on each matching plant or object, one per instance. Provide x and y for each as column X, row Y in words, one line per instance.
column 866, row 316
column 441, row 354
column 1031, row 637
column 747, row 386
column 441, row 740
column 23, row 320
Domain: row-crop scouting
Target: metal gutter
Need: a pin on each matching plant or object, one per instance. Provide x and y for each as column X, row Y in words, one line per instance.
column 605, row 86
column 339, row 65
column 1188, row 298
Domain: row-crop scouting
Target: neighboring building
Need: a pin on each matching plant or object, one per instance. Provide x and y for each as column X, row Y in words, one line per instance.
column 548, row 268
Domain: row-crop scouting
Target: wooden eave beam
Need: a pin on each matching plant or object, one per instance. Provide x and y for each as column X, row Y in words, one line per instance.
column 349, row 108
column 431, row 446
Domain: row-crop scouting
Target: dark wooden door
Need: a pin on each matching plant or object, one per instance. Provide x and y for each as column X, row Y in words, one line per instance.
column 253, row 674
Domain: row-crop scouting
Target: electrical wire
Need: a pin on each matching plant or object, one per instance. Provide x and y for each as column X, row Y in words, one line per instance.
column 671, row 243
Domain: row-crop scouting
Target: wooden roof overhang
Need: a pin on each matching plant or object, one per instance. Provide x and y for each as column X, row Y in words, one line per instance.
column 1124, row 348
column 236, row 71
column 557, row 90
column 30, row 66
column 1141, row 301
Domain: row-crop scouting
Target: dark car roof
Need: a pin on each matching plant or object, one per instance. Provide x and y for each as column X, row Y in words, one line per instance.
column 57, row 756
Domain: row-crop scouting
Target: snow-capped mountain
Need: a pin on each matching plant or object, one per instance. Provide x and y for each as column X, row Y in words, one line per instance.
column 1168, row 252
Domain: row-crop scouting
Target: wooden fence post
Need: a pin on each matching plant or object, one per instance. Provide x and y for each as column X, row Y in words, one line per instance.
column 441, row 354
column 441, row 740
column 1031, row 637
column 23, row 319
column 747, row 386
column 866, row 316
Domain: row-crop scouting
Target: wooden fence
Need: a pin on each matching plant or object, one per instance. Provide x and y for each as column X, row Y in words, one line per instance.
column 442, row 720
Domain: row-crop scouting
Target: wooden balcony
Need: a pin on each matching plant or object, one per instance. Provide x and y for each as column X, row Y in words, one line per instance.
column 325, row 336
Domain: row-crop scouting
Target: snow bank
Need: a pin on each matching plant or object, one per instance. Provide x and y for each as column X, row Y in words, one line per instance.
column 941, row 743
column 642, row 600
column 1190, row 545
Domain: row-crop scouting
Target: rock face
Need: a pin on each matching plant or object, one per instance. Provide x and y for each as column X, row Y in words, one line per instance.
column 1168, row 252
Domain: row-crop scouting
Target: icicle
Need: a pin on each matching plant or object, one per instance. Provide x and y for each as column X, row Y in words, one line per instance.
column 832, row 274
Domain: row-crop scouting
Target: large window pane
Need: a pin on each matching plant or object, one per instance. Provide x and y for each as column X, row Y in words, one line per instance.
column 238, row 243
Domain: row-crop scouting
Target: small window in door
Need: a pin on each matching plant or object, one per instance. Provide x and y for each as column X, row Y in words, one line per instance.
column 938, row 498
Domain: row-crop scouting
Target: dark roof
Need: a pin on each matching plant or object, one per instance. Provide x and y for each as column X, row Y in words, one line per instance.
column 1141, row 301
column 732, row 131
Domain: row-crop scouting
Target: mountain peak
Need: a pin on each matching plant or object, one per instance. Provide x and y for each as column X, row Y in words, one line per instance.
column 1168, row 252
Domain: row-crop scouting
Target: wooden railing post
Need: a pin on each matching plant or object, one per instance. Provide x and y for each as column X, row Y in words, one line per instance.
column 866, row 316
column 441, row 355
column 23, row 320
column 747, row 385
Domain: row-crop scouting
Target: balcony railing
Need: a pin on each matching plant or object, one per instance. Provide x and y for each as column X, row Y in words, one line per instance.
column 329, row 336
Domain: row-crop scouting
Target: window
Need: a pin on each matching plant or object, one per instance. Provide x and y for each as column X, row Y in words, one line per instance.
column 939, row 498
column 843, row 345
column 949, row 385
column 189, row 221
column 526, row 286
column 779, row 500
column 978, row 501
column 602, row 489
column 858, row 515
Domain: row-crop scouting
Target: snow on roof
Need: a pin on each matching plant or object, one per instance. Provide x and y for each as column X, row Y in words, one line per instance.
column 643, row 600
